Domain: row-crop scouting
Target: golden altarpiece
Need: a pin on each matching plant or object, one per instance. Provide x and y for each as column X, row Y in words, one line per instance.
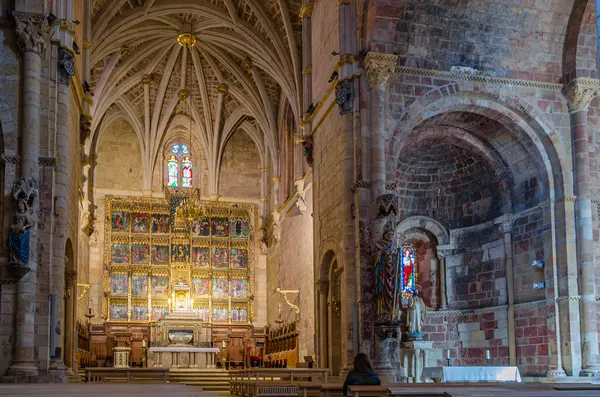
column 178, row 273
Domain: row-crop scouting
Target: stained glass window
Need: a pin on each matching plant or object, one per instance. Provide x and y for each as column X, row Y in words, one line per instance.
column 173, row 171
column 175, row 149
column 186, row 171
column 184, row 149
column 409, row 270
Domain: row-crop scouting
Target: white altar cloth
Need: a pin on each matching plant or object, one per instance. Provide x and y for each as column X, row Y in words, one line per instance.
column 471, row 374
column 184, row 349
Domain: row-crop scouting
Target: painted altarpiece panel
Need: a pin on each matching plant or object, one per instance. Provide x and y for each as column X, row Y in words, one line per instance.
column 147, row 252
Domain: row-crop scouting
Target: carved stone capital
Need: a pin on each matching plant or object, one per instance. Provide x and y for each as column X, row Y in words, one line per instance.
column 33, row 32
column 66, row 66
column 579, row 93
column 380, row 67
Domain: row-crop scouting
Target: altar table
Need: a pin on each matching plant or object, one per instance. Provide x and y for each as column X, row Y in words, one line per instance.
column 471, row 374
column 180, row 354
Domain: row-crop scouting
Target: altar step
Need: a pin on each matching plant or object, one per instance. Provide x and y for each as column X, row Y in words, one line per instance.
column 214, row 380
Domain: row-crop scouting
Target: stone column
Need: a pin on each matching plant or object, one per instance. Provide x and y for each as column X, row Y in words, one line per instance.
column 379, row 68
column 66, row 70
column 579, row 93
column 69, row 294
column 33, row 32
column 442, row 254
column 306, row 11
column 323, row 287
column 510, row 289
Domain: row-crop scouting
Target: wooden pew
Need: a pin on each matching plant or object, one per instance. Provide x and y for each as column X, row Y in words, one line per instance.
column 126, row 374
column 374, row 391
column 331, row 390
column 257, row 382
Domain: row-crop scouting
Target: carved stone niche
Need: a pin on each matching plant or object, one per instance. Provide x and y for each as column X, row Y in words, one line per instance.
column 386, row 205
column 85, row 128
column 344, row 97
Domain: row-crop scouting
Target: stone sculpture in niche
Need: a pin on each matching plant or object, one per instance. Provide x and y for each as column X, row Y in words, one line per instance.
column 24, row 193
column 307, row 147
column 343, row 96
column 387, row 277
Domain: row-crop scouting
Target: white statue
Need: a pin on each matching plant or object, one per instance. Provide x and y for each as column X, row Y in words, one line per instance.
column 417, row 309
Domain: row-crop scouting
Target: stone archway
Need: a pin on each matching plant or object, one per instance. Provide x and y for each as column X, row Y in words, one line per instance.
column 330, row 313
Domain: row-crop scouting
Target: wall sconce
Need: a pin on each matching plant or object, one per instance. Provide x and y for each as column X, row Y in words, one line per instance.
column 539, row 285
column 538, row 264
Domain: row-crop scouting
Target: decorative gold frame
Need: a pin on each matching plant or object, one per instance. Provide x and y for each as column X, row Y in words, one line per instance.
column 177, row 271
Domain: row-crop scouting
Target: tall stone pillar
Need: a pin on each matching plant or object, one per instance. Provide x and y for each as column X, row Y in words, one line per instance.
column 579, row 93
column 380, row 67
column 323, row 288
column 33, row 32
column 510, row 288
column 306, row 11
column 62, row 187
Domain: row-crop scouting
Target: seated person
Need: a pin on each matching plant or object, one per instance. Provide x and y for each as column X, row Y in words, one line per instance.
column 362, row 373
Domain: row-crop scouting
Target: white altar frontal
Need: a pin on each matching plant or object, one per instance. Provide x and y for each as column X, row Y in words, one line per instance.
column 182, row 357
column 471, row 374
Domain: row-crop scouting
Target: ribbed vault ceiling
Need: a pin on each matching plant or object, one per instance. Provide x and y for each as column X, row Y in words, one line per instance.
column 243, row 72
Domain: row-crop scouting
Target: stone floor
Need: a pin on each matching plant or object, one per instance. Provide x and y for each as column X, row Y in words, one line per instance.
column 103, row 390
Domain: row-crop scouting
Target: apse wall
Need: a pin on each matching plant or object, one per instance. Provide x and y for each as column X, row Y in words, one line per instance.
column 240, row 168
column 119, row 158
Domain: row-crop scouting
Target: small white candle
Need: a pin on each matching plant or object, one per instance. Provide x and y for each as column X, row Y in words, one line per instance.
column 448, row 354
column 487, row 354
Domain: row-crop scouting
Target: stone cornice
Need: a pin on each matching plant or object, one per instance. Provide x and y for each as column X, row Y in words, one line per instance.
column 33, row 32
column 379, row 68
column 579, row 93
column 484, row 310
column 479, row 78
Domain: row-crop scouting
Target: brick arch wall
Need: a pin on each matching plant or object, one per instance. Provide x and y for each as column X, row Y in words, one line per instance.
column 580, row 53
column 449, row 183
column 524, row 40
column 539, row 136
column 240, row 168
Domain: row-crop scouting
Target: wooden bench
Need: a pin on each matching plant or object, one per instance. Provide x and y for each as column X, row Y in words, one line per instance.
column 273, row 381
column 126, row 374
column 331, row 390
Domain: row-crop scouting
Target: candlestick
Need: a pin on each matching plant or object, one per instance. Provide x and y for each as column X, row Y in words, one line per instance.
column 448, row 354
column 487, row 354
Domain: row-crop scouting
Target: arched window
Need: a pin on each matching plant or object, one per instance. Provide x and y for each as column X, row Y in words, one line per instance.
column 173, row 171
column 186, row 172
column 409, row 270
column 179, row 158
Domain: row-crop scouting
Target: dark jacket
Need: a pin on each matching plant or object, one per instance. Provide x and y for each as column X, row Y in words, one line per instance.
column 361, row 378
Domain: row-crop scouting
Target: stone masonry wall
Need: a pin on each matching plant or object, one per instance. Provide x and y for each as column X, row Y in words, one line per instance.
column 325, row 40
column 515, row 39
column 240, row 168
column 476, row 277
column 295, row 271
column 119, row 161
